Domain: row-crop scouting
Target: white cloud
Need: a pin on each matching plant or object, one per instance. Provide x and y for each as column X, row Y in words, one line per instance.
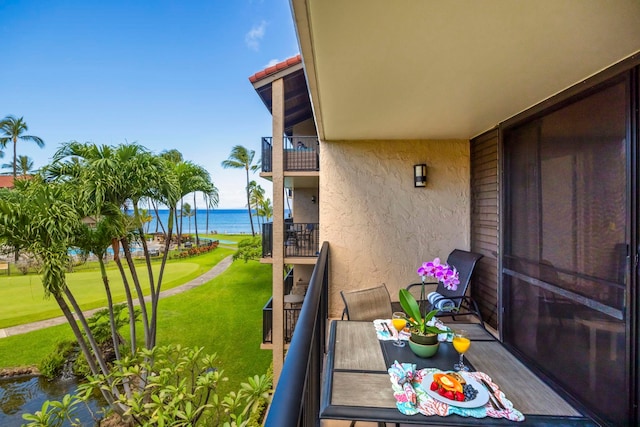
column 255, row 35
column 272, row 63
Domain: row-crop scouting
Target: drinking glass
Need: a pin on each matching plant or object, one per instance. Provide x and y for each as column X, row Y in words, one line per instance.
column 461, row 343
column 399, row 321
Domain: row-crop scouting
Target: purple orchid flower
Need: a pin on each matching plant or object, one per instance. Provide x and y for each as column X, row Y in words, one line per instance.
column 449, row 276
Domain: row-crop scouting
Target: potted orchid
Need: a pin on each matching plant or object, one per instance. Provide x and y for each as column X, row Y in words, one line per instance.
column 423, row 327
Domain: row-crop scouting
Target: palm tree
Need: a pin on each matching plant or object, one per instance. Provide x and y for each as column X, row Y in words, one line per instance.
column 109, row 179
column 241, row 158
column 265, row 209
column 211, row 200
column 187, row 212
column 256, row 195
column 13, row 130
column 24, row 166
column 45, row 220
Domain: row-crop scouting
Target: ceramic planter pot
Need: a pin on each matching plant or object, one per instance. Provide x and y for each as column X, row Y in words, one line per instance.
column 424, row 350
column 429, row 339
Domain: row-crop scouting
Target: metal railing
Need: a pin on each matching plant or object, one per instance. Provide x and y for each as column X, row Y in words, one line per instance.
column 301, row 153
column 290, row 315
column 267, row 239
column 300, row 240
column 296, row 401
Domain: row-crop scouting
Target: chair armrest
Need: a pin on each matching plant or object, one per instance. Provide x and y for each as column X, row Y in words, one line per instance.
column 469, row 304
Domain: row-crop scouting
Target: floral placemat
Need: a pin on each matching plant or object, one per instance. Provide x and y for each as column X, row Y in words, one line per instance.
column 386, row 332
column 411, row 399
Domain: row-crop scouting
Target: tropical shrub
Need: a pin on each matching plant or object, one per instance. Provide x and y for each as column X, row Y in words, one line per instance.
column 249, row 249
column 53, row 363
column 172, row 386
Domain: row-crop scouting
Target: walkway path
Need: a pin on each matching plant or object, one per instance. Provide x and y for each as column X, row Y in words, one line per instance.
column 200, row 280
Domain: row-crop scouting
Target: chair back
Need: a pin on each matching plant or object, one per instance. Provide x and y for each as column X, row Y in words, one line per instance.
column 367, row 304
column 464, row 262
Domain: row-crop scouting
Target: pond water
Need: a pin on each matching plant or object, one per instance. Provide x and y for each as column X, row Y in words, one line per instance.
column 26, row 394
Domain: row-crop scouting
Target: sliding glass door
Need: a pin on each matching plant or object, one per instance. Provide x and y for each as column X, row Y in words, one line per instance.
column 567, row 228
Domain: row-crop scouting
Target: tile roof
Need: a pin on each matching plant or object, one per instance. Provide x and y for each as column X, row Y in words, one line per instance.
column 6, row 181
column 275, row 68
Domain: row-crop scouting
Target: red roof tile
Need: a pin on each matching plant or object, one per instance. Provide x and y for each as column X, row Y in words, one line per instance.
column 275, row 68
column 6, row 181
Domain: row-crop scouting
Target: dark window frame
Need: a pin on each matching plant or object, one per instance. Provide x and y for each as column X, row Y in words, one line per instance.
column 628, row 69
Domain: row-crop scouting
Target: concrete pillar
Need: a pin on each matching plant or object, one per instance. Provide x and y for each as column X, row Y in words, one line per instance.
column 277, row 98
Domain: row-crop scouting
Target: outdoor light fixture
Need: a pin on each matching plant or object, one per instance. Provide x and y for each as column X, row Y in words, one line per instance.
column 420, row 175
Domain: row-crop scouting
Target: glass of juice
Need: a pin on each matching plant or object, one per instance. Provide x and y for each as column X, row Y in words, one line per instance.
column 461, row 343
column 399, row 321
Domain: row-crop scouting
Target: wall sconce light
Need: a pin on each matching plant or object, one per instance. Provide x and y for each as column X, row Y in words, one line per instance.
column 420, row 175
column 313, row 199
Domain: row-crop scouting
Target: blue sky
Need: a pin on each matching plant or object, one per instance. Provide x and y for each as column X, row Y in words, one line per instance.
column 165, row 74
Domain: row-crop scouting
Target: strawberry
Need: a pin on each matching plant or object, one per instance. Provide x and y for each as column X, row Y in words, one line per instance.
column 449, row 395
column 434, row 386
column 441, row 391
column 459, row 396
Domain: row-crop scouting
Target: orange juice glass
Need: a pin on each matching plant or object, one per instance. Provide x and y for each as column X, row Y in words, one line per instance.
column 399, row 321
column 461, row 343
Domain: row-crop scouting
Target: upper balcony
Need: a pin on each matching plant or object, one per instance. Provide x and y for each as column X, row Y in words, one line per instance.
column 301, row 240
column 301, row 153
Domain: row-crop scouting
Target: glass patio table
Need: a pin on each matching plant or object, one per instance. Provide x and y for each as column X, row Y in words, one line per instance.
column 356, row 384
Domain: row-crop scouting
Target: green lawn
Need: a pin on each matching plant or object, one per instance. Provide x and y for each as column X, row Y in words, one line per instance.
column 26, row 296
column 224, row 315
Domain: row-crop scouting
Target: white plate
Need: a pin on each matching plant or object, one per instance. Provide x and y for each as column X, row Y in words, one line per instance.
column 481, row 398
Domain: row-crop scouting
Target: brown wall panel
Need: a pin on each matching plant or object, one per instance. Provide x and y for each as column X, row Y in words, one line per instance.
column 484, row 223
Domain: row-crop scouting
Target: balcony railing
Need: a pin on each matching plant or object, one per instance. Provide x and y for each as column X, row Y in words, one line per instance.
column 267, row 240
column 301, row 153
column 291, row 315
column 302, row 368
column 300, row 239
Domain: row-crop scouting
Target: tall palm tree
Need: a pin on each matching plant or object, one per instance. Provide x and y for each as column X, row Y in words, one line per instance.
column 242, row 158
column 13, row 130
column 211, row 200
column 187, row 212
column 24, row 166
column 46, row 220
column 256, row 195
column 265, row 209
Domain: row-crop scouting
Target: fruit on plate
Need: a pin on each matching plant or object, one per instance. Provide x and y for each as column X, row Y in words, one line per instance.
column 448, row 382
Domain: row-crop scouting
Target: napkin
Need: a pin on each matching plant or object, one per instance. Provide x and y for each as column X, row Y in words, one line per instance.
column 402, row 373
column 389, row 333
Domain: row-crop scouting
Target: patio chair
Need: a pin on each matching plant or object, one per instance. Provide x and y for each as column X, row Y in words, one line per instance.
column 367, row 304
column 451, row 303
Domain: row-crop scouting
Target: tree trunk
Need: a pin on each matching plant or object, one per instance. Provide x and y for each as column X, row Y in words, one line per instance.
column 85, row 350
column 179, row 224
column 145, row 248
column 127, row 289
column 195, row 219
column 136, row 284
column 253, row 233
column 155, row 297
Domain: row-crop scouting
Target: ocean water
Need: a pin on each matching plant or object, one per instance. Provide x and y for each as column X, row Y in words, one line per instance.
column 225, row 221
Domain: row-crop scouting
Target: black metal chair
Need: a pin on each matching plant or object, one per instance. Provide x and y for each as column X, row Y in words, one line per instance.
column 460, row 304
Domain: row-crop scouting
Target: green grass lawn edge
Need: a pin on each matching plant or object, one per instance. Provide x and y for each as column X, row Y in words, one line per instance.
column 224, row 315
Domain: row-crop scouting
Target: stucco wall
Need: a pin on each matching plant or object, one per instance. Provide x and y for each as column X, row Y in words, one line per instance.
column 304, row 210
column 379, row 226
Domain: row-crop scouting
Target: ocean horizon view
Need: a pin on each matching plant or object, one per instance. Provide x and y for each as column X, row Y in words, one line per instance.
column 223, row 221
